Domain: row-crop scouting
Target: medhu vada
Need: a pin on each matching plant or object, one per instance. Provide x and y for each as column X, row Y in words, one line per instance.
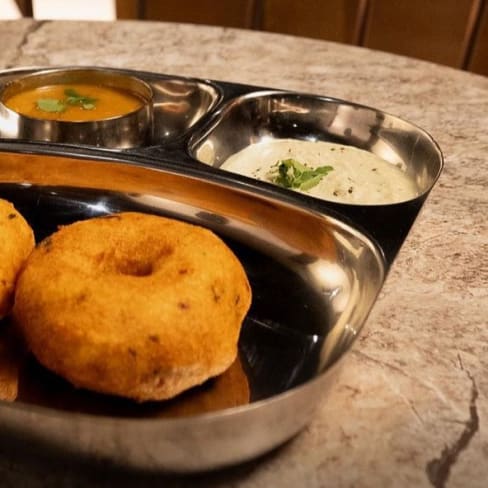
column 134, row 305
column 16, row 243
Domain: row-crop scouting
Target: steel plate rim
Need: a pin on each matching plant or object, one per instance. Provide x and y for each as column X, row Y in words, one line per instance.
column 263, row 193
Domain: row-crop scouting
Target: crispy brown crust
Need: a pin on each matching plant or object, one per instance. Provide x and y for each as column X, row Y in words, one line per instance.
column 16, row 243
column 134, row 305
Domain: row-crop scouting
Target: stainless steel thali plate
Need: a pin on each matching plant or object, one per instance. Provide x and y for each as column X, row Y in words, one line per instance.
column 216, row 118
column 314, row 281
column 315, row 267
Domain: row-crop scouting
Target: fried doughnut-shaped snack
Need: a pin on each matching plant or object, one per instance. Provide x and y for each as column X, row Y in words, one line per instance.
column 16, row 243
column 133, row 305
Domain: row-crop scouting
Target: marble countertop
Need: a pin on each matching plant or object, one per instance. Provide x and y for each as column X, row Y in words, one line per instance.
column 411, row 406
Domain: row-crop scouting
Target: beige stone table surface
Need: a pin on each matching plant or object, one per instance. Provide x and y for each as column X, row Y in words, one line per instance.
column 411, row 406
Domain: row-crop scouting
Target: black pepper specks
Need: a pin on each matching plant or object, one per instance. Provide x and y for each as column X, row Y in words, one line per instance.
column 46, row 244
column 12, row 216
column 215, row 293
column 81, row 298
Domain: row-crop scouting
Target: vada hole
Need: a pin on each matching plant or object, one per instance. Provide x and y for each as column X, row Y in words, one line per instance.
column 135, row 268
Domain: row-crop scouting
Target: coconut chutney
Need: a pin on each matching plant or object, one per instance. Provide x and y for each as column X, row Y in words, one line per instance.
column 357, row 176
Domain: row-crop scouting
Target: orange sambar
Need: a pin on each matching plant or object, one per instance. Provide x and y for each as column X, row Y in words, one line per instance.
column 109, row 102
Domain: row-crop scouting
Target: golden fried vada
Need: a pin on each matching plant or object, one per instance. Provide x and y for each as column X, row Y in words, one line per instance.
column 12, row 359
column 16, row 243
column 230, row 389
column 134, row 305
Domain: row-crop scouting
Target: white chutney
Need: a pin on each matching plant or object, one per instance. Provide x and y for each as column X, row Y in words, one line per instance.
column 358, row 176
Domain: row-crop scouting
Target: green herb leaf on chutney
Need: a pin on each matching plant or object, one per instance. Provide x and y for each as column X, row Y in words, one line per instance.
column 290, row 173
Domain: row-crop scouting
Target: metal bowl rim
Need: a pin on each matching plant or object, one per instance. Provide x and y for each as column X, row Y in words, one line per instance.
column 199, row 137
column 209, row 417
column 146, row 101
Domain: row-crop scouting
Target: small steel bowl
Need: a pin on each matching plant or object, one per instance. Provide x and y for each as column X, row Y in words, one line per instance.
column 132, row 129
